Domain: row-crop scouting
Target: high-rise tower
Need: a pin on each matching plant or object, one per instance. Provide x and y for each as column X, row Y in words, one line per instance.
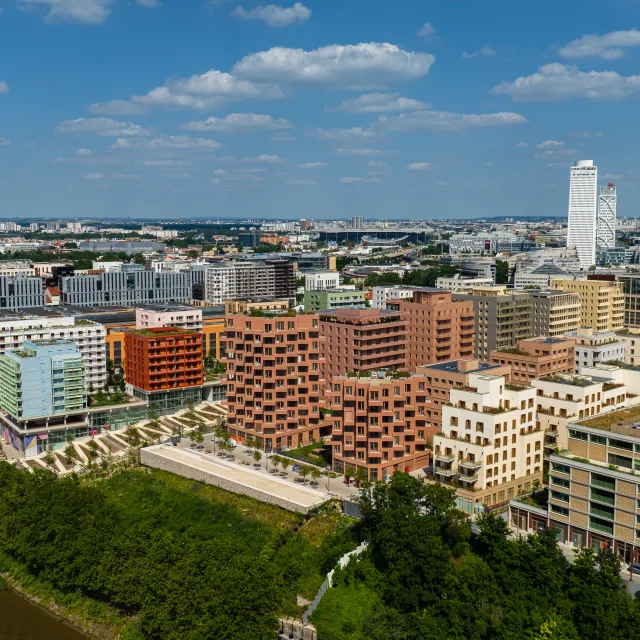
column 583, row 198
column 607, row 201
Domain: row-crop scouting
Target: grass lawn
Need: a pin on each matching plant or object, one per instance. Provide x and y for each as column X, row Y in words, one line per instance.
column 342, row 612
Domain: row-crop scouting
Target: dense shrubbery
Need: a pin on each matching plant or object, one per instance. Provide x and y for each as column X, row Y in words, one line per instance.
column 425, row 577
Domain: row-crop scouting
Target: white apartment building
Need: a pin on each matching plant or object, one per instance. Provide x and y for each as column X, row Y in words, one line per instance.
column 380, row 295
column 632, row 338
column 583, row 197
column 185, row 318
column 458, row 283
column 490, row 448
column 321, row 280
column 16, row 268
column 238, row 280
column 89, row 336
column 607, row 204
column 594, row 347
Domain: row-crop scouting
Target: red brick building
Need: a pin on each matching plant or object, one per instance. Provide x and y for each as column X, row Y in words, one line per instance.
column 438, row 328
column 163, row 358
column 361, row 340
column 274, row 379
column 378, row 424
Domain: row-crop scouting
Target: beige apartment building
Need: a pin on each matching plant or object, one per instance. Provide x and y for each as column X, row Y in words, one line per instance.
column 491, row 448
column 535, row 357
column 554, row 313
column 502, row 317
column 594, row 487
column 440, row 378
column 601, row 302
column 274, row 379
column 378, row 424
column 439, row 329
column 362, row 340
column 631, row 337
column 255, row 304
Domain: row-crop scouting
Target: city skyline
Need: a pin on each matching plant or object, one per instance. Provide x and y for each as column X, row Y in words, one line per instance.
column 236, row 110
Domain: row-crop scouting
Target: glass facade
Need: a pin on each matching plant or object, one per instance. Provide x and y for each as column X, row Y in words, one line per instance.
column 117, row 417
column 631, row 289
column 168, row 402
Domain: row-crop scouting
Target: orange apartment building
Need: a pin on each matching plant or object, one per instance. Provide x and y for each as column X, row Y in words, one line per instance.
column 536, row 357
column 439, row 329
column 274, row 379
column 361, row 340
column 440, row 378
column 163, row 359
column 378, row 424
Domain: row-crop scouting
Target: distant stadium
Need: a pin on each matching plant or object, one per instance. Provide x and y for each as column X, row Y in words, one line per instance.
column 372, row 241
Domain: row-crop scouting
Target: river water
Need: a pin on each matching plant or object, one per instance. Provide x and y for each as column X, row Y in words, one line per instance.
column 21, row 620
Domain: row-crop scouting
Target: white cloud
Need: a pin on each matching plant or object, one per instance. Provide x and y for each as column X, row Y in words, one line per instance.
column 95, row 176
column 163, row 163
column 447, row 121
column 485, row 51
column 420, row 166
column 274, row 15
column 84, row 152
column 239, row 123
column 167, row 142
column 83, row 11
column 209, row 90
column 556, row 151
column 361, row 66
column 550, row 144
column 556, row 81
column 149, row 4
column 359, row 152
column 359, row 180
column 427, row 31
column 117, row 108
column 522, row 145
column 264, row 159
column 341, row 134
column 101, row 126
column 4, row 142
column 300, row 182
column 380, row 103
column 313, row 165
column 608, row 46
column 586, row 135
column 4, row 87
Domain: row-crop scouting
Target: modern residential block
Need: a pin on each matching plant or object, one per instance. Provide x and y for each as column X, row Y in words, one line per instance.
column 180, row 317
column 491, row 448
column 247, row 305
column 593, row 347
column 554, row 313
column 459, row 283
column 362, row 340
column 274, row 379
column 380, row 295
column 378, row 424
column 321, row 280
column 333, row 299
column 535, row 357
column 439, row 328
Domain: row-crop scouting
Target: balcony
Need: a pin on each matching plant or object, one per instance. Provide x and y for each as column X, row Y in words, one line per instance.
column 442, row 457
column 470, row 465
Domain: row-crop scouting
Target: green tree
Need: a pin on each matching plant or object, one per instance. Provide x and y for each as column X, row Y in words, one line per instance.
column 257, row 456
column 502, row 272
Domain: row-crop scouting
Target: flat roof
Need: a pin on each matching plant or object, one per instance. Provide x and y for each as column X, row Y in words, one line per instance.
column 452, row 366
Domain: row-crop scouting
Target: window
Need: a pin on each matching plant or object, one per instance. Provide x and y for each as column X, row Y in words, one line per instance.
column 563, row 511
column 597, row 439
column 562, row 468
column 558, row 495
column 578, row 435
column 560, row 482
column 620, row 444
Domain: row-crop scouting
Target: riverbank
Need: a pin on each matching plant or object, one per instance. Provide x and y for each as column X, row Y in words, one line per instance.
column 89, row 617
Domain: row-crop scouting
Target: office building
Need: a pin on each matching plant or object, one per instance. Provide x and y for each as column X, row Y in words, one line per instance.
column 357, row 222
column 593, row 487
column 274, row 380
column 321, row 280
column 536, row 357
column 442, row 377
column 491, row 448
column 502, row 317
column 630, row 284
column 459, row 283
column 362, row 340
column 601, row 302
column 594, row 347
column 380, row 295
column 88, row 336
column 554, row 313
column 129, row 289
column 539, row 277
column 583, row 197
column 333, row 299
column 378, row 425
column 607, row 204
column 250, row 239
column 164, row 367
column 21, row 292
column 42, row 395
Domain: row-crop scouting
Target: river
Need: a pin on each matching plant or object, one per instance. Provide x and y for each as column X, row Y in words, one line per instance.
column 21, row 620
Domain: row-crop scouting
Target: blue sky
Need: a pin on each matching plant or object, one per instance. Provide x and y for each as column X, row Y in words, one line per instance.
column 317, row 109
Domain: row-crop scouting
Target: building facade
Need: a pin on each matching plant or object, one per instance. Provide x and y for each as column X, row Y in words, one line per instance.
column 607, row 205
column 380, row 295
column 630, row 284
column 274, row 380
column 459, row 283
column 321, row 280
column 554, row 313
column 333, row 299
column 594, row 347
column 21, row 292
column 362, row 340
column 378, row 425
column 183, row 318
column 583, row 196
column 491, row 448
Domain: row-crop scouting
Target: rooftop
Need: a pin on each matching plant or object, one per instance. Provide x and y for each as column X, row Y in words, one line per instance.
column 617, row 421
column 575, row 381
column 453, row 366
